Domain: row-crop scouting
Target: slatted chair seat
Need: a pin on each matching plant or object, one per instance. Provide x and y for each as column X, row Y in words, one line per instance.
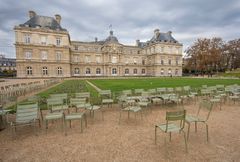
column 170, row 128
column 54, row 116
column 191, row 118
column 107, row 101
column 73, row 116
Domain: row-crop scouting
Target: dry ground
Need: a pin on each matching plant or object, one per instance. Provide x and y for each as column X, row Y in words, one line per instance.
column 131, row 140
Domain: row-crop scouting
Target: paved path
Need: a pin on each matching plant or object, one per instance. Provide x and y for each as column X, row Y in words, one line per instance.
column 98, row 89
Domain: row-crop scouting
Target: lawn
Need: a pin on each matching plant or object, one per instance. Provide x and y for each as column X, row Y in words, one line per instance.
column 147, row 83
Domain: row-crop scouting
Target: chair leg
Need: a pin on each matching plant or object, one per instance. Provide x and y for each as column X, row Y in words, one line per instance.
column 85, row 117
column 188, row 131
column 65, row 127
column 155, row 134
column 46, row 125
column 81, row 126
column 170, row 135
column 195, row 126
column 185, row 140
column 102, row 116
column 207, row 131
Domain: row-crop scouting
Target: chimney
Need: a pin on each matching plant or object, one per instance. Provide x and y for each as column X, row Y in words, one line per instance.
column 137, row 42
column 156, row 33
column 31, row 14
column 58, row 18
column 96, row 39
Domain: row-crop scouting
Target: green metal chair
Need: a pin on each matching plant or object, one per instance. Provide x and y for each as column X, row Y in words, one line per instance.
column 27, row 114
column 85, row 95
column 56, row 111
column 172, row 125
column 106, row 97
column 207, row 105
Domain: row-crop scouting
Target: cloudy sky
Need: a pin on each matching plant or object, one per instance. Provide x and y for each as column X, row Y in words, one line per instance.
column 130, row 19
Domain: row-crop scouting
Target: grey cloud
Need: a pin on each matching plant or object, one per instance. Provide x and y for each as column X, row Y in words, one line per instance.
column 131, row 20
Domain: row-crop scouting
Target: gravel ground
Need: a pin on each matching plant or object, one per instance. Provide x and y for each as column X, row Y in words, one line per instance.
column 131, row 140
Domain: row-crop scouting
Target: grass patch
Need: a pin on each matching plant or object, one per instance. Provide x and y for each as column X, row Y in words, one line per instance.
column 117, row 85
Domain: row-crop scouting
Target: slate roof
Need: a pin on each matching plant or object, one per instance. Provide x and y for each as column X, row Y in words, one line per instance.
column 43, row 22
column 163, row 37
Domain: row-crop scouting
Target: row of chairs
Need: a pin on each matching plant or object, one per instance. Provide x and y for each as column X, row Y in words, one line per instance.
column 9, row 93
column 59, row 108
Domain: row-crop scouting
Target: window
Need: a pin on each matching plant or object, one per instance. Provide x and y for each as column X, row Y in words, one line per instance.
column 162, row 62
column 126, row 71
column 44, row 55
column 27, row 38
column 76, row 71
column 114, row 71
column 29, row 70
column 28, row 55
column 88, row 71
column 114, row 59
column 98, row 71
column 127, row 60
column 98, row 59
column 76, row 48
column 143, row 62
column 177, row 60
column 58, row 56
column 43, row 40
column 143, row 71
column 87, row 59
column 76, row 58
column 135, row 60
column 169, row 61
column 134, row 71
column 59, row 71
column 162, row 71
column 176, row 72
column 58, row 41
column 162, row 49
column 169, row 71
column 44, row 70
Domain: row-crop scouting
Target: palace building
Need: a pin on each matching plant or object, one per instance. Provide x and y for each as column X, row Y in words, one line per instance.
column 44, row 49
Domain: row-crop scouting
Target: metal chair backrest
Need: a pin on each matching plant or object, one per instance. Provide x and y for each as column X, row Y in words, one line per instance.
column 55, row 104
column 105, row 94
column 207, row 105
column 83, row 95
column 27, row 112
column 176, row 116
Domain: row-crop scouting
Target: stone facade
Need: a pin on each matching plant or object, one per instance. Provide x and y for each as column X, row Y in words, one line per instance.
column 44, row 49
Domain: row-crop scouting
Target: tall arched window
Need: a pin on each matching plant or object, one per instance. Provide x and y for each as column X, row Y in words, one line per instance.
column 76, row 71
column 114, row 71
column 88, row 71
column 98, row 71
column 143, row 71
column 44, row 70
column 162, row 71
column 126, row 71
column 176, row 72
column 134, row 71
column 59, row 71
column 29, row 70
column 169, row 71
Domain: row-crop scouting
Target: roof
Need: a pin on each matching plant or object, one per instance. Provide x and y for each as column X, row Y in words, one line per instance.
column 111, row 38
column 163, row 37
column 43, row 22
